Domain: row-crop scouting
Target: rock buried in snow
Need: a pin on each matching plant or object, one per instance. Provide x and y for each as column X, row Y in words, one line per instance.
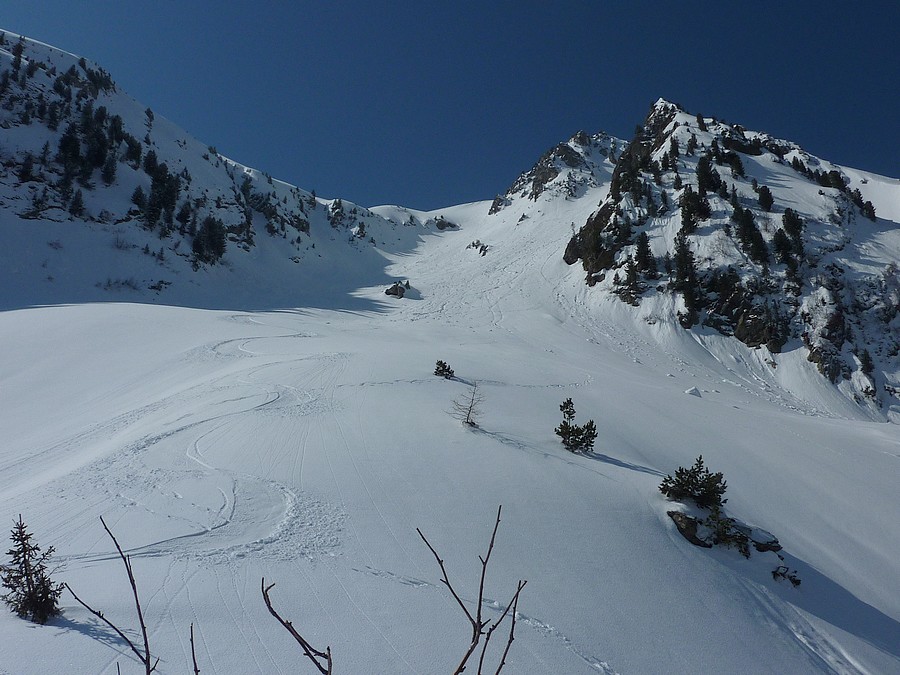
column 693, row 391
column 397, row 290
column 764, row 541
column 687, row 526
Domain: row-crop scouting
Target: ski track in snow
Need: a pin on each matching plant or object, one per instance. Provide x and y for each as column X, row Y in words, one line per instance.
column 822, row 649
column 256, row 517
column 498, row 608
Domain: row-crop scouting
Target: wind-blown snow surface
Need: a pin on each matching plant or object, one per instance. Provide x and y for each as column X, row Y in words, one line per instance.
column 307, row 446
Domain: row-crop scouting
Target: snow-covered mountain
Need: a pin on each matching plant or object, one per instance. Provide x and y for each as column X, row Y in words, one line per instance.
column 755, row 238
column 161, row 217
column 271, row 412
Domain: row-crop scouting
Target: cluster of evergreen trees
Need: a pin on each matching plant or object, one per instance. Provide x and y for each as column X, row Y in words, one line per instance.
column 834, row 179
column 93, row 144
column 574, row 437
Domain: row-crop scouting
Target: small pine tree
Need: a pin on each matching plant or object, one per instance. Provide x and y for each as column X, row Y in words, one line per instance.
column 26, row 170
column 587, row 437
column 108, row 173
column 31, row 594
column 575, row 438
column 866, row 363
column 692, row 145
column 441, row 369
column 868, row 210
column 643, row 256
column 138, row 198
column 698, row 484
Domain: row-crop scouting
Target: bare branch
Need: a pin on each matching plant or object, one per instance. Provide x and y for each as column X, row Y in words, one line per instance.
column 137, row 602
column 144, row 658
column 512, row 628
column 311, row 652
column 109, row 623
column 478, row 624
column 467, row 408
column 193, row 652
column 446, row 580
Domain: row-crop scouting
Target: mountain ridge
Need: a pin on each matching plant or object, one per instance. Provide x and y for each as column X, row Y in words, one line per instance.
column 187, row 224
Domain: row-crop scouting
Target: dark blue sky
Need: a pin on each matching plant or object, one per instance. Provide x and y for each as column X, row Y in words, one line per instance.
column 429, row 104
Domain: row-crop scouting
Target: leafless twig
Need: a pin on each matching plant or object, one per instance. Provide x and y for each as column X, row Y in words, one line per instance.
column 144, row 658
column 322, row 660
column 514, row 604
column 478, row 624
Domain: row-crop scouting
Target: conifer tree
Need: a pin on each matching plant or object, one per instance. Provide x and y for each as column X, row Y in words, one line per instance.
column 26, row 170
column 575, row 438
column 30, row 592
column 138, row 198
column 697, row 484
column 692, row 144
column 707, row 177
column 643, row 256
column 108, row 173
column 443, row 369
column 76, row 208
column 766, row 200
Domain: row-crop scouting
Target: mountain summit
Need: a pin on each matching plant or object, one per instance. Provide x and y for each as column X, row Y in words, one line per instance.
column 755, row 238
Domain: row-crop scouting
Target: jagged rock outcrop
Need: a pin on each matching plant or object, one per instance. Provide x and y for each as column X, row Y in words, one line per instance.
column 765, row 264
column 566, row 170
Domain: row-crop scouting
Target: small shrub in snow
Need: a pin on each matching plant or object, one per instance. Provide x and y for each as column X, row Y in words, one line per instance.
column 575, row 438
column 725, row 532
column 697, row 484
column 441, row 369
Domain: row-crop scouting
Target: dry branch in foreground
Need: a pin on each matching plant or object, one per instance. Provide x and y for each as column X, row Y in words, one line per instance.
column 480, row 627
column 144, row 657
column 322, row 660
column 477, row 622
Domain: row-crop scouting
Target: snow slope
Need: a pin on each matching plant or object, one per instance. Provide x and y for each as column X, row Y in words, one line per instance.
column 307, row 446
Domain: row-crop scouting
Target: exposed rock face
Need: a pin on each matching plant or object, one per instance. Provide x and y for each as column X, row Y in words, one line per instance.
column 442, row 223
column 689, row 526
column 566, row 169
column 573, row 251
column 687, row 202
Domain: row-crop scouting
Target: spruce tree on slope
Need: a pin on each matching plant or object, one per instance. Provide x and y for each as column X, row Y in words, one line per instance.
column 30, row 592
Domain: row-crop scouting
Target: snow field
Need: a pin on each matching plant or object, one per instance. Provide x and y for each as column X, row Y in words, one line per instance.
column 308, row 446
